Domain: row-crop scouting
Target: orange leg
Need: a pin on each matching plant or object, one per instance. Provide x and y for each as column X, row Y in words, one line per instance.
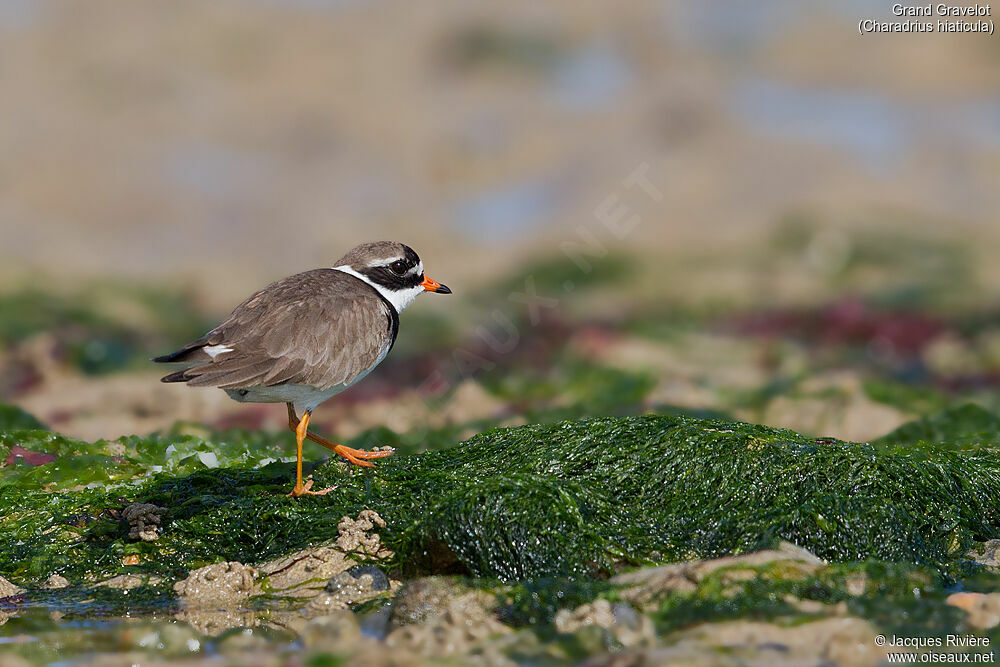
column 356, row 456
column 301, row 489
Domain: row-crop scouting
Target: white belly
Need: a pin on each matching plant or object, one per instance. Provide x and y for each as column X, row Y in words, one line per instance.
column 303, row 397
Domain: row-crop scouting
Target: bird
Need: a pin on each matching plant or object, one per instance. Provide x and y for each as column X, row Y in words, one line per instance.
column 308, row 337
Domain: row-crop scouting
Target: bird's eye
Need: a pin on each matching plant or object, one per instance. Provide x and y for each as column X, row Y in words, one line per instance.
column 398, row 267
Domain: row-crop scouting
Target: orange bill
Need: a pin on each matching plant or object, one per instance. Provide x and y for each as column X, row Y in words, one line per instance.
column 431, row 285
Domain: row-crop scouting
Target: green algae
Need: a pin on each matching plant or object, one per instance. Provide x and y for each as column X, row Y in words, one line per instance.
column 571, row 388
column 572, row 499
column 913, row 268
column 476, row 46
column 555, row 275
column 535, row 602
column 325, row 660
column 966, row 426
column 906, row 397
column 179, row 450
column 13, row 418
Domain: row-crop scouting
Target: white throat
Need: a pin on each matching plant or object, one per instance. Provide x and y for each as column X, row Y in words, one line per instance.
column 399, row 299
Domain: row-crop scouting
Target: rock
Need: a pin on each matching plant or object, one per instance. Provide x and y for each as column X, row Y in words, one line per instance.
column 255, row 647
column 360, row 583
column 55, row 582
column 143, row 521
column 513, row 648
column 597, row 612
column 816, row 607
column 857, row 584
column 356, row 535
column 850, row 416
column 625, row 624
column 213, row 622
column 304, row 573
column 430, row 599
column 284, row 620
column 594, row 640
column 9, row 660
column 983, row 608
column 949, row 355
column 444, row 638
column 297, row 575
column 798, row 553
column 337, row 631
column 469, row 402
column 246, row 647
column 105, row 406
column 373, row 578
column 218, row 585
column 7, row 589
column 833, row 641
column 437, row 616
column 376, row 623
column 167, row 639
column 410, row 410
column 987, row 554
column 648, row 585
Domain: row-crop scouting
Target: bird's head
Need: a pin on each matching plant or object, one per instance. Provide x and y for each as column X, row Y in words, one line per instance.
column 393, row 269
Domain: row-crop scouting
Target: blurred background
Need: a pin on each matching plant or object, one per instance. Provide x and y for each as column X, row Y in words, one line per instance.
column 743, row 209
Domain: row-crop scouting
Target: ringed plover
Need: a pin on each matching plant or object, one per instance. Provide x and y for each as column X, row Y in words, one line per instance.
column 308, row 337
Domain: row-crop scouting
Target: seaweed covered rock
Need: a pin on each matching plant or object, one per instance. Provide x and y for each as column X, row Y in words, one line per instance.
column 576, row 497
column 573, row 499
column 647, row 586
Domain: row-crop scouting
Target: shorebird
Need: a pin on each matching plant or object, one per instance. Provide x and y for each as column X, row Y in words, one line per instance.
column 308, row 337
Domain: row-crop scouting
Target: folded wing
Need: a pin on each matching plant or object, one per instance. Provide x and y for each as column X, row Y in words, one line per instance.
column 320, row 328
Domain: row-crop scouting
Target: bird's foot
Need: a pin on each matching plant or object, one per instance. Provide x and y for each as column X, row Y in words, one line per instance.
column 306, row 490
column 359, row 457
